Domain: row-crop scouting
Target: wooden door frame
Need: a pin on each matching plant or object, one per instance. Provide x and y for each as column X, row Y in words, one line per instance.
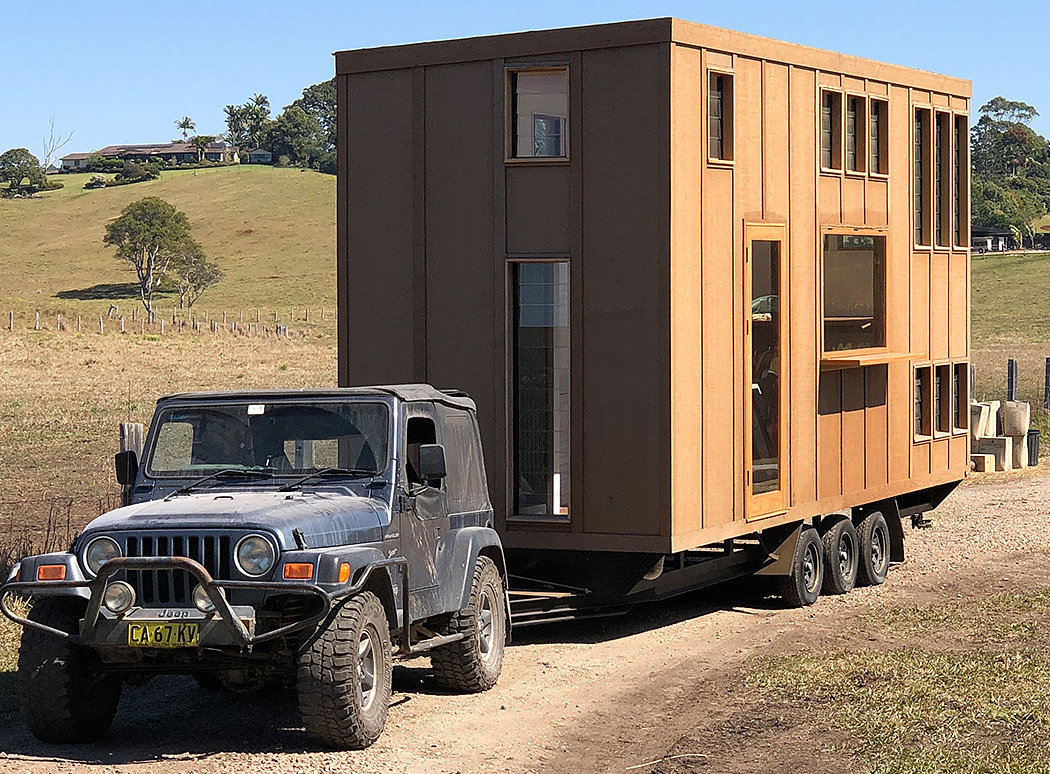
column 776, row 502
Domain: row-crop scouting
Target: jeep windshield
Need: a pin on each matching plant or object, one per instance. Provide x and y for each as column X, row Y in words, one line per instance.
column 281, row 438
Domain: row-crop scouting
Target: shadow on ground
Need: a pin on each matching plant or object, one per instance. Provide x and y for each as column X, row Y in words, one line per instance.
column 107, row 291
column 172, row 718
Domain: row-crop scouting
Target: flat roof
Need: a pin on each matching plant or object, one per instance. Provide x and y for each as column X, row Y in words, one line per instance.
column 635, row 33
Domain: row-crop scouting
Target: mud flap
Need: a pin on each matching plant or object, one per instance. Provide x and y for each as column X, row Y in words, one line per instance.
column 892, row 514
column 780, row 542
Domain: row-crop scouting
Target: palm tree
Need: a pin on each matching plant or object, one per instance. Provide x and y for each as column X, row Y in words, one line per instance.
column 201, row 143
column 261, row 101
column 187, row 125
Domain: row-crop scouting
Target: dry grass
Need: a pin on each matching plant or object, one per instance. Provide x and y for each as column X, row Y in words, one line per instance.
column 271, row 230
column 10, row 634
column 980, row 706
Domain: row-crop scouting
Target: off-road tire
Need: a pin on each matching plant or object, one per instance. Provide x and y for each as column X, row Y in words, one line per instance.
column 802, row 587
column 335, row 709
column 473, row 664
column 64, row 699
column 874, row 563
column 841, row 546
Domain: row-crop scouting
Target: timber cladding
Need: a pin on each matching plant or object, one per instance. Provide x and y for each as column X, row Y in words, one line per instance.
column 693, row 278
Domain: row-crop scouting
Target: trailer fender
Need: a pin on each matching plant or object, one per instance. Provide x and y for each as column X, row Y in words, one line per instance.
column 890, row 512
column 468, row 544
column 780, row 542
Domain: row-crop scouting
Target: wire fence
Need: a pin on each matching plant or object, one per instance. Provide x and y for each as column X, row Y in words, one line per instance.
column 45, row 524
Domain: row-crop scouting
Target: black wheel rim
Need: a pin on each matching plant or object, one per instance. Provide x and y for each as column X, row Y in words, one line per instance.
column 847, row 555
column 811, row 568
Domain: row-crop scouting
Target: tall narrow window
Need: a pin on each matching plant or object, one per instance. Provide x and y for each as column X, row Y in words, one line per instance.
column 921, row 154
column 938, row 181
column 923, row 401
column 960, row 191
column 943, row 406
column 539, row 113
column 855, row 135
column 877, row 137
column 720, row 116
column 541, row 388
column 960, row 396
column 945, row 195
column 830, row 130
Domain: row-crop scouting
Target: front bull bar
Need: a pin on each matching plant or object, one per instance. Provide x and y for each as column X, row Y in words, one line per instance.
column 212, row 588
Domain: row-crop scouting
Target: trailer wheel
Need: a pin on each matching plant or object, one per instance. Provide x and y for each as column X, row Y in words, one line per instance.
column 64, row 698
column 841, row 557
column 473, row 664
column 802, row 587
column 874, row 550
column 344, row 676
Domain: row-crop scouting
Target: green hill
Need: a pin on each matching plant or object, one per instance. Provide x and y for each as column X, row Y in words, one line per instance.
column 272, row 231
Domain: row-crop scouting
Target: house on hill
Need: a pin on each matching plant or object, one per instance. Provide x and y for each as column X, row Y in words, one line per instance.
column 260, row 156
column 171, row 152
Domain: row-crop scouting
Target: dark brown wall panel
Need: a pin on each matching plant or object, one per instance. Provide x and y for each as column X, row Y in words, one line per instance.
column 381, row 335
column 461, row 308
column 626, row 337
column 538, row 209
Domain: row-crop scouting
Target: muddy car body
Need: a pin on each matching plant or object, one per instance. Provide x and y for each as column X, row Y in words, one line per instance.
column 309, row 537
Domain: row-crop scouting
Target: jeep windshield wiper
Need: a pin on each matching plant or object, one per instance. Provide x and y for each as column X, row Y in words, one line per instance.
column 325, row 473
column 225, row 473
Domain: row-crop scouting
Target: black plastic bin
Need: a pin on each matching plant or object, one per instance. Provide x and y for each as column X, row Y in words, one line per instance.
column 1033, row 447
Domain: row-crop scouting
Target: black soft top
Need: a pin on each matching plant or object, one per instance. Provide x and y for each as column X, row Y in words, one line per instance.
column 405, row 392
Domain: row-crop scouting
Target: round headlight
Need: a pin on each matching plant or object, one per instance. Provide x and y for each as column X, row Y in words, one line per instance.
column 202, row 601
column 118, row 597
column 98, row 552
column 254, row 555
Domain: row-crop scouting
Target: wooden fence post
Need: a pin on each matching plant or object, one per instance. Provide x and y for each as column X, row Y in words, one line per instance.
column 36, row 325
column 161, row 327
column 10, row 321
column 1011, row 379
column 60, row 322
column 78, row 323
column 122, row 322
column 100, row 328
column 1046, row 386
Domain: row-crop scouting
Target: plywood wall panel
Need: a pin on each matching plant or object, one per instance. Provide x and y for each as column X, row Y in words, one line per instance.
column 920, row 459
column 803, row 257
column 720, row 383
column 876, row 203
column 747, row 147
column 829, row 435
column 687, row 455
column 379, row 231
column 899, row 419
column 939, row 455
column 830, row 200
column 853, row 444
column 775, row 167
column 876, row 426
column 958, row 283
column 939, row 306
column 920, row 305
column 626, row 336
column 853, row 209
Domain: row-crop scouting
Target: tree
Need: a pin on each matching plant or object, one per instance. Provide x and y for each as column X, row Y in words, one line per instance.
column 149, row 234
column 201, row 143
column 248, row 124
column 187, row 125
column 319, row 101
column 21, row 170
column 52, row 144
column 298, row 135
column 193, row 273
column 1002, row 109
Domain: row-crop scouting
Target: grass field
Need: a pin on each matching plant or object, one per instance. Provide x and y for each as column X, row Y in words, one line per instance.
column 272, row 231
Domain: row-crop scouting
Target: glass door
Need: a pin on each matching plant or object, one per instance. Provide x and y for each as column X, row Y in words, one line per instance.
column 765, row 343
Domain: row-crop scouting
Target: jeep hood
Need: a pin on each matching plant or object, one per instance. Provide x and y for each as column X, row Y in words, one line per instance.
column 325, row 518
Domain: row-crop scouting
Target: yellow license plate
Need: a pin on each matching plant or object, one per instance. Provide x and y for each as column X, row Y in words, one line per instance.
column 156, row 634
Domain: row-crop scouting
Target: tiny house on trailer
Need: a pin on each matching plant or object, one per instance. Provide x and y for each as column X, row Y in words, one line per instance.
column 701, row 284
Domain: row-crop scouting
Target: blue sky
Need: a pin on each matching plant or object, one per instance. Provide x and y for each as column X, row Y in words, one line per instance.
column 116, row 72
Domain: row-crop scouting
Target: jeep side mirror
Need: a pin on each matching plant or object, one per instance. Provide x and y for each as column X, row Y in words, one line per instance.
column 432, row 461
column 127, row 463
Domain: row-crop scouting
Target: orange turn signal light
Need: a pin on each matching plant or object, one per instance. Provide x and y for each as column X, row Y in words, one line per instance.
column 344, row 572
column 51, row 572
column 298, row 571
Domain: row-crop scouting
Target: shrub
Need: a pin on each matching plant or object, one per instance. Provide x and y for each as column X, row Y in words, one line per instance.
column 96, row 181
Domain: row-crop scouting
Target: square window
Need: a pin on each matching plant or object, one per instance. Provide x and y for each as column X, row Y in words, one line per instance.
column 539, row 113
column 854, row 292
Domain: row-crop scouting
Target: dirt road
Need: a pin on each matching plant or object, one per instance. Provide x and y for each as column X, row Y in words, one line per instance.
column 617, row 695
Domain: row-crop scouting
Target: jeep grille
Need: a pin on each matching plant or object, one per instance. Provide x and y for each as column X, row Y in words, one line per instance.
column 164, row 587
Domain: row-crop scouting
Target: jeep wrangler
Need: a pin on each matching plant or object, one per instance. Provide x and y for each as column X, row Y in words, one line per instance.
column 307, row 537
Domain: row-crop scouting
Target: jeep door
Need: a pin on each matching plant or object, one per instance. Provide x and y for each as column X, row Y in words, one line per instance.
column 424, row 520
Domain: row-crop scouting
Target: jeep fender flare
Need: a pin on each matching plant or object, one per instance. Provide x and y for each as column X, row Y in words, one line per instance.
column 467, row 544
